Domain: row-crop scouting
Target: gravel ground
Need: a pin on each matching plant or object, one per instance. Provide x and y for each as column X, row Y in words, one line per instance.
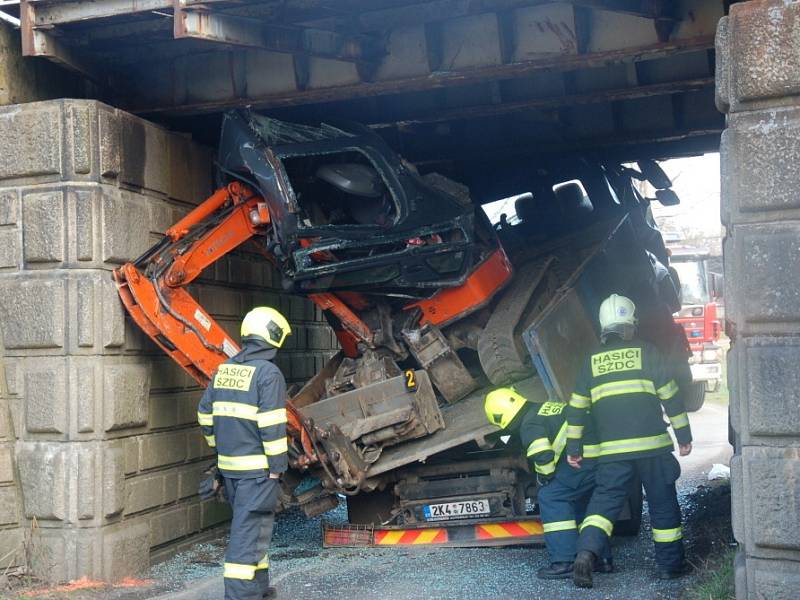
column 302, row 569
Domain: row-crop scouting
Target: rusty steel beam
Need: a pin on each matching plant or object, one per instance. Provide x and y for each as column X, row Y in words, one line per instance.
column 409, row 12
column 211, row 26
column 440, row 79
column 416, row 12
column 59, row 13
column 37, row 42
column 595, row 97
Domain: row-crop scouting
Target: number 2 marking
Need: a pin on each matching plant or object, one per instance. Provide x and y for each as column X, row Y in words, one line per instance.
column 411, row 379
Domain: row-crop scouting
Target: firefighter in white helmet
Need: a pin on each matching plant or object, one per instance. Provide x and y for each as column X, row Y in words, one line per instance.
column 243, row 416
column 623, row 385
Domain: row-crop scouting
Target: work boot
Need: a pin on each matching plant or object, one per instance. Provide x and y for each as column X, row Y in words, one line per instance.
column 556, row 570
column 604, row 565
column 582, row 569
column 270, row 593
column 673, row 573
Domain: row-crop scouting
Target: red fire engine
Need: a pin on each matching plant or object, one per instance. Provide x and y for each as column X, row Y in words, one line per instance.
column 698, row 315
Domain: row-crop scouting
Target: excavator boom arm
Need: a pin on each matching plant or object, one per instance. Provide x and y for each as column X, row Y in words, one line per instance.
column 152, row 288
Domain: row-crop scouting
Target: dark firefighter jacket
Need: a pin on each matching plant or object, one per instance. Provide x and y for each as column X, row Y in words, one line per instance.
column 624, row 384
column 544, row 436
column 243, row 413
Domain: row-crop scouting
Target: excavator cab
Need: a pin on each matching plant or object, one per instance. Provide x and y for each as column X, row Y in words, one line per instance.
column 348, row 213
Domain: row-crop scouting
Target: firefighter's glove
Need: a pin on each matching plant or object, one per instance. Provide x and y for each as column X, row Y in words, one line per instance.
column 212, row 487
column 543, row 479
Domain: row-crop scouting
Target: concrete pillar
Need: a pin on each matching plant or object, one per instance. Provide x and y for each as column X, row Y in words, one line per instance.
column 758, row 71
column 106, row 446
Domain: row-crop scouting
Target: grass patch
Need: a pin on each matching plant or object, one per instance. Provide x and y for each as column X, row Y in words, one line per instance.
column 715, row 579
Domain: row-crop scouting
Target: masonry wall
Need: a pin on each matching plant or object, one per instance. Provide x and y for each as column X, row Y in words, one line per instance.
column 101, row 423
column 758, row 70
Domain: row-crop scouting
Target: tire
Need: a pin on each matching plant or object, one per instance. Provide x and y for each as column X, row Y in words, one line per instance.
column 630, row 527
column 695, row 396
column 503, row 357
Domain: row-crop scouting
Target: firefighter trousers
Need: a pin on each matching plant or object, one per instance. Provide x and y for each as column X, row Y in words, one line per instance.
column 658, row 475
column 561, row 508
column 246, row 570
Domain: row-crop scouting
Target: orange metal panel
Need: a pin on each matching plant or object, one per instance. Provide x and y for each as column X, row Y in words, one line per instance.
column 477, row 290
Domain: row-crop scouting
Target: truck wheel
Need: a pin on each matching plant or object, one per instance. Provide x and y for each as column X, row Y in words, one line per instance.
column 630, row 527
column 695, row 396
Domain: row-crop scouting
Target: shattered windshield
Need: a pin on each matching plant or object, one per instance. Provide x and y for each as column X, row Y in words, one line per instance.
column 276, row 133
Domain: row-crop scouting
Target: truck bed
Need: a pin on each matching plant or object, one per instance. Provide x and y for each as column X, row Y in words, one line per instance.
column 465, row 422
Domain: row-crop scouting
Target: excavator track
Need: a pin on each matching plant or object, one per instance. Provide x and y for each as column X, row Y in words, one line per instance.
column 500, row 354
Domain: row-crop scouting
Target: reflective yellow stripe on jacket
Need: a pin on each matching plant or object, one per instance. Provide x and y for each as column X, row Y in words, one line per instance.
column 205, row 419
column 627, row 386
column 635, row 444
column 575, row 432
column 578, row 401
column 272, row 417
column 238, row 410
column 276, row 447
column 545, row 469
column 250, row 462
column 665, row 392
column 678, row 421
column 591, row 450
column 560, row 442
column 537, row 446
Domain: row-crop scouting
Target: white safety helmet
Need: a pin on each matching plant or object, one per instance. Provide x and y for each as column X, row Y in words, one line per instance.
column 618, row 316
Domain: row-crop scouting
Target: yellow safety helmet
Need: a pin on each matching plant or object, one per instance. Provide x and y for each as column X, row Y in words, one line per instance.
column 617, row 315
column 268, row 324
column 502, row 405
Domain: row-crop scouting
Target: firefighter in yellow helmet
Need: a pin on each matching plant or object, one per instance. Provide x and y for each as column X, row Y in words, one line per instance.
column 243, row 416
column 624, row 385
column 563, row 491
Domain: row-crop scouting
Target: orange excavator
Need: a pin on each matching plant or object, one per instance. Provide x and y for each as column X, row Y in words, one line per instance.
column 337, row 243
column 423, row 298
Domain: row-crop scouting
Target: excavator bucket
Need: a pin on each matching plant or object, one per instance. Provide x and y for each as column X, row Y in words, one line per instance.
column 175, row 321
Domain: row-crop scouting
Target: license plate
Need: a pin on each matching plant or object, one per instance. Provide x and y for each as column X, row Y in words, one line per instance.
column 456, row 510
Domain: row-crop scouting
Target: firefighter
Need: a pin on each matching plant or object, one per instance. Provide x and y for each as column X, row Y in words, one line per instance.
column 243, row 416
column 625, row 382
column 563, row 491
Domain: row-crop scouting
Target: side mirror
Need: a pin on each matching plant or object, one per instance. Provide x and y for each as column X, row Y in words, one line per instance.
column 654, row 174
column 667, row 197
column 717, row 285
